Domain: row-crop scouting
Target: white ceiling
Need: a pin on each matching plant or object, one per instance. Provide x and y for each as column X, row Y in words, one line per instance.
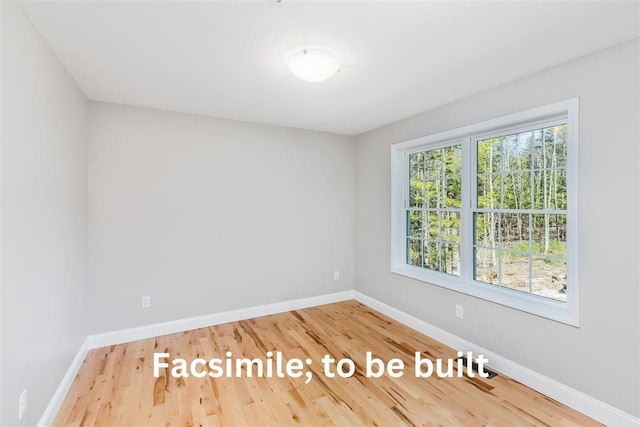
column 227, row 59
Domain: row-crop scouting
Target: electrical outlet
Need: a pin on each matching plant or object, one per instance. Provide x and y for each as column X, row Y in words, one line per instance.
column 23, row 404
column 459, row 312
column 336, row 275
column 146, row 302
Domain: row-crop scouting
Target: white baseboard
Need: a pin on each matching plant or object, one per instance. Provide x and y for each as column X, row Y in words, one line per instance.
column 579, row 401
column 49, row 415
column 172, row 327
column 575, row 399
column 158, row 329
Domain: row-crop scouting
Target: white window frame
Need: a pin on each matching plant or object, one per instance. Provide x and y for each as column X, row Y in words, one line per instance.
column 564, row 312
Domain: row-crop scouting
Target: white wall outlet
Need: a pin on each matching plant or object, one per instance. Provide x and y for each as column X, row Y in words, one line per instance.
column 336, row 275
column 23, row 404
column 459, row 312
column 146, row 302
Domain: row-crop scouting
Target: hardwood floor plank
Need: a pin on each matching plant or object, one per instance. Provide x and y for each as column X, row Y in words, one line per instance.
column 116, row 387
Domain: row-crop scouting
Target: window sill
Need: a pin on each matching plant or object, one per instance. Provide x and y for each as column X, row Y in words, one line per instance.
column 557, row 311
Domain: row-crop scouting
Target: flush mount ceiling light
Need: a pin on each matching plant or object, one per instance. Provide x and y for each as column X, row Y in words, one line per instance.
column 313, row 65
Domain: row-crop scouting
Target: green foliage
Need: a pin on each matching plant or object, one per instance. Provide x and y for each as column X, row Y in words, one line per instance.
column 435, row 178
column 435, row 183
column 521, row 171
column 557, row 247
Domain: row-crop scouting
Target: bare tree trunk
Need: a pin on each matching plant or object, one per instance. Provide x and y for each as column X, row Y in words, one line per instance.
column 548, row 194
column 492, row 215
column 553, row 190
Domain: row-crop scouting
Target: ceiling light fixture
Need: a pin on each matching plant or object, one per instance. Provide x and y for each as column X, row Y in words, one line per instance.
column 313, row 65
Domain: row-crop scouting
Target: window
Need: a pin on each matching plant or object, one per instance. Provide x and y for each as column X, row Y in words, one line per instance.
column 490, row 210
column 433, row 214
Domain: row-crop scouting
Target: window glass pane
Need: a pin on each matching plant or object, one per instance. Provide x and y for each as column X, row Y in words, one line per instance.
column 489, row 155
column 450, row 259
column 433, row 239
column 550, row 189
column 538, row 151
column 435, row 178
column 432, row 255
column 560, row 147
column 453, row 193
column 434, row 194
column 516, row 152
column 416, row 167
column 514, row 232
column 517, row 190
column 540, row 195
column 486, row 266
column 522, row 171
column 549, row 234
column 550, row 147
column 434, row 164
column 549, row 277
column 450, row 227
column 486, row 229
column 432, row 229
column 489, row 191
column 453, row 161
column 515, row 271
column 560, row 189
column 414, row 224
column 536, row 147
column 414, row 252
column 416, row 194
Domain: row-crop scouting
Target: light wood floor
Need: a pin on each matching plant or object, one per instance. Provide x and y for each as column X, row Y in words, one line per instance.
column 115, row 385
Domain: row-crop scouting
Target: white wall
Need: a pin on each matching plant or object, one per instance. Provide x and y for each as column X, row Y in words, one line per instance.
column 207, row 215
column 601, row 357
column 44, row 226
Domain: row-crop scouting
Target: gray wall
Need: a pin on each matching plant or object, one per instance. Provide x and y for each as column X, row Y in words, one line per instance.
column 44, row 218
column 207, row 215
column 601, row 357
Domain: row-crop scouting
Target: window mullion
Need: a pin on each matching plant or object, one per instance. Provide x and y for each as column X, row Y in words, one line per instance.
column 466, row 212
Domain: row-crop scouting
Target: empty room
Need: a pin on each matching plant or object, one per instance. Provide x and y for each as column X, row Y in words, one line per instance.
column 320, row 213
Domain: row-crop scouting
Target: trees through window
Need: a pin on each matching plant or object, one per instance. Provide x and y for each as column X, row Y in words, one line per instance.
column 490, row 210
column 433, row 214
column 520, row 218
